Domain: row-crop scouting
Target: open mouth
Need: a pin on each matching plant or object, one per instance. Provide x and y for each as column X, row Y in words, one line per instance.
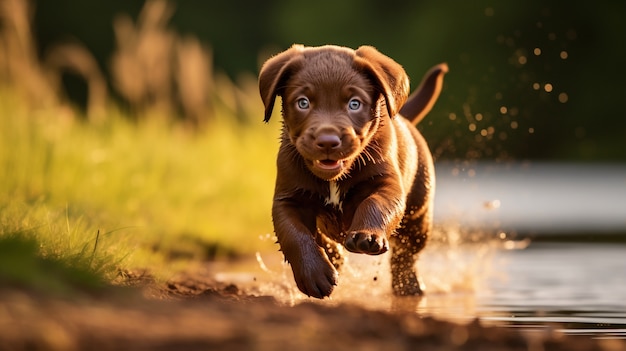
column 329, row 165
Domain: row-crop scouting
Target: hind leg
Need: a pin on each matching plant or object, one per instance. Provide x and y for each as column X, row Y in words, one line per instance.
column 333, row 250
column 410, row 238
column 406, row 243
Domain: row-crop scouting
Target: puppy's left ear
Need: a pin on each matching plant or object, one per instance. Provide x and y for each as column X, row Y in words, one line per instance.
column 274, row 74
column 389, row 77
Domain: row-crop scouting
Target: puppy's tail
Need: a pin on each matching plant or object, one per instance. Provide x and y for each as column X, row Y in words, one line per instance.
column 423, row 99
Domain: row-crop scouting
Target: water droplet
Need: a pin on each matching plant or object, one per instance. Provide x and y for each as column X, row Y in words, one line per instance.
column 531, row 130
column 564, row 55
column 537, row 51
column 452, row 116
column 503, row 110
column 563, row 98
column 472, row 127
column 536, row 86
column 521, row 60
column 514, row 125
column 479, row 116
column 547, row 87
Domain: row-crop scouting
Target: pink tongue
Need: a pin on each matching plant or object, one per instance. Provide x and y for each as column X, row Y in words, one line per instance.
column 329, row 164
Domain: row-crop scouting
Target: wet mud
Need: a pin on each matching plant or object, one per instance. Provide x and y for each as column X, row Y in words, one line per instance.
column 194, row 311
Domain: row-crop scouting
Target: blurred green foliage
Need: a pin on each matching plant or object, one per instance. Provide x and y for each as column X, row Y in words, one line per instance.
column 534, row 79
column 129, row 194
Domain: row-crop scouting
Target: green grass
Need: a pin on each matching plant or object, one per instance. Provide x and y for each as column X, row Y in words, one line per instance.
column 158, row 194
column 23, row 264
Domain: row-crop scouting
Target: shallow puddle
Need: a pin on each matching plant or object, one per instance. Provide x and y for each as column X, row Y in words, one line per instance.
column 577, row 288
column 582, row 287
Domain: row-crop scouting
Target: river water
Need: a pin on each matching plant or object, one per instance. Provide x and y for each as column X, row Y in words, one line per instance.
column 489, row 257
column 579, row 281
column 573, row 287
column 581, row 286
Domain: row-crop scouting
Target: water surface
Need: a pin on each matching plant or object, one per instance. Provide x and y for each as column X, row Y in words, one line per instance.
column 480, row 262
column 576, row 288
column 580, row 286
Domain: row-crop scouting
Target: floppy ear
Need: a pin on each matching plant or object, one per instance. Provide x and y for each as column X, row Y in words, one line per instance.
column 387, row 74
column 274, row 74
column 424, row 97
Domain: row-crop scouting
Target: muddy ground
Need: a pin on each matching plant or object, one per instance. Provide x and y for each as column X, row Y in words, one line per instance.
column 196, row 312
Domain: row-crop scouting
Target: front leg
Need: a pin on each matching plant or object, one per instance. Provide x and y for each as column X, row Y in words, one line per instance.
column 375, row 218
column 295, row 227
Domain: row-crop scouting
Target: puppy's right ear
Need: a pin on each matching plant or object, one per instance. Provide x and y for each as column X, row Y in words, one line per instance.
column 274, row 75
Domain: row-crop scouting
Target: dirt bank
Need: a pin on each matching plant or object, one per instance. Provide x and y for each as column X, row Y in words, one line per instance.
column 191, row 313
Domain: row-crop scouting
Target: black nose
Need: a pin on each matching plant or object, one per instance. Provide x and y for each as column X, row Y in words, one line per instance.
column 327, row 141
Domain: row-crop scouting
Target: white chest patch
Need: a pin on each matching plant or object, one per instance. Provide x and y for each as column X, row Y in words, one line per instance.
column 334, row 197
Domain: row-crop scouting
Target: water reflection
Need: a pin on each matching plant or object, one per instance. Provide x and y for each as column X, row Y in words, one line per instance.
column 577, row 288
column 474, row 269
column 580, row 286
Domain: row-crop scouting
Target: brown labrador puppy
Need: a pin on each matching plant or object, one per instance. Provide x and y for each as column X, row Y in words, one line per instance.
column 353, row 170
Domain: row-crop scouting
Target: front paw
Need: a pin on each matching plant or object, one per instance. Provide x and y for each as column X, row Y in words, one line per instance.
column 366, row 242
column 314, row 275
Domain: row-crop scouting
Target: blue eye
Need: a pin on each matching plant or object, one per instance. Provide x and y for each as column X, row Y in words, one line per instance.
column 354, row 104
column 303, row 103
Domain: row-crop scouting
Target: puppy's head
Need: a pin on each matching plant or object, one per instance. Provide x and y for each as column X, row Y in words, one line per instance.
column 333, row 101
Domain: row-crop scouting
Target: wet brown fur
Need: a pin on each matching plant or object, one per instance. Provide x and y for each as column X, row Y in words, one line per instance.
column 360, row 179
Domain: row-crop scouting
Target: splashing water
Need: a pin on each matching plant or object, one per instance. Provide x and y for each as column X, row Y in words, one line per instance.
column 450, row 267
column 467, row 276
column 471, row 268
